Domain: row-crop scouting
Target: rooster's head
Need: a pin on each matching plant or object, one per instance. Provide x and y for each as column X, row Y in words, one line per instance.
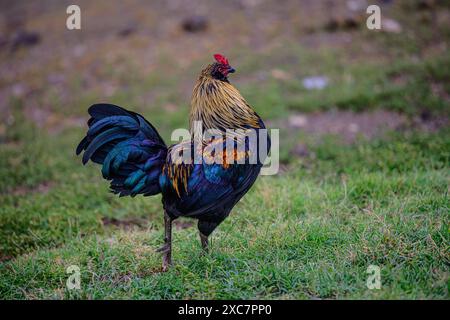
column 217, row 103
column 220, row 69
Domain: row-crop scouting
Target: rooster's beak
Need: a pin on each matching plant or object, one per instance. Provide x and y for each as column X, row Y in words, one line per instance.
column 231, row 70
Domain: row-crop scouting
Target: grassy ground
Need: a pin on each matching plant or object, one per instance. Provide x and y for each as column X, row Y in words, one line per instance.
column 311, row 231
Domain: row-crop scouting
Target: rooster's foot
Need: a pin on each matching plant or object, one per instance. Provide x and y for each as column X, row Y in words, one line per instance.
column 205, row 243
column 164, row 249
column 167, row 262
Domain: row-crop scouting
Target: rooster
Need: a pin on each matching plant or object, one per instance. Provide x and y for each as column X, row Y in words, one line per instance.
column 136, row 160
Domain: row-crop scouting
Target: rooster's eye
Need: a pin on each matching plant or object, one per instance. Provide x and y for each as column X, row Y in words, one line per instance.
column 220, row 72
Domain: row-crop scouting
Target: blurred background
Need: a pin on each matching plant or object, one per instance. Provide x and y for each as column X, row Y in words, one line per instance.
column 347, row 99
column 292, row 57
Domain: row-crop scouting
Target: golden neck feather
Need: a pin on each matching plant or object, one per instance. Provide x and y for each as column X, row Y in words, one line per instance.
column 219, row 105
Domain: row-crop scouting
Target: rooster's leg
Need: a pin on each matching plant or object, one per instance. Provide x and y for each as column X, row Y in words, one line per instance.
column 204, row 241
column 205, row 228
column 166, row 249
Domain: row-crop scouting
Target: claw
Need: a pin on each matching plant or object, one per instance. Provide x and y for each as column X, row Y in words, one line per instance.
column 165, row 265
column 205, row 243
column 165, row 248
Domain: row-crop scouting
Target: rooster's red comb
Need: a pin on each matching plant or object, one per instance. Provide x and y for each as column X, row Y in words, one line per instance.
column 221, row 59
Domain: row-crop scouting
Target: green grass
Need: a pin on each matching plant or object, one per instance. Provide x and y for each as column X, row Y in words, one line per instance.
column 309, row 232
column 408, row 87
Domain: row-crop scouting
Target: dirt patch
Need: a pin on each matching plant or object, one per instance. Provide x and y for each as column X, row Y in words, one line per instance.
column 349, row 125
column 133, row 223
column 5, row 258
column 425, row 121
column 182, row 224
column 125, row 223
column 52, row 122
column 42, row 188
